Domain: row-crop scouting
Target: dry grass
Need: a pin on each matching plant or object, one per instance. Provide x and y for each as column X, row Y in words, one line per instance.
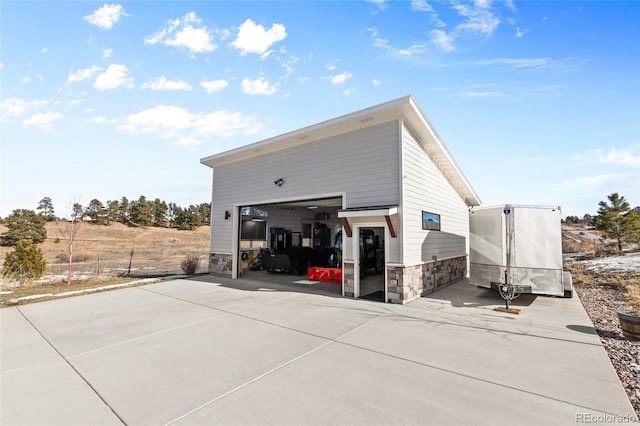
column 579, row 275
column 52, row 289
column 629, row 282
column 105, row 250
column 103, row 254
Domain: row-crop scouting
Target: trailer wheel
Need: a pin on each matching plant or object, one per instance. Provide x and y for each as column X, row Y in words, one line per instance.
column 567, row 280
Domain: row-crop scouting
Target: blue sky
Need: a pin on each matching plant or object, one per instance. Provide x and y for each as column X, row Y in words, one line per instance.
column 538, row 101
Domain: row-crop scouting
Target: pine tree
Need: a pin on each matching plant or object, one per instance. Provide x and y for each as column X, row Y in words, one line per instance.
column 96, row 212
column 113, row 211
column 159, row 212
column 23, row 224
column 140, row 211
column 45, row 209
column 618, row 221
column 124, row 210
column 25, row 263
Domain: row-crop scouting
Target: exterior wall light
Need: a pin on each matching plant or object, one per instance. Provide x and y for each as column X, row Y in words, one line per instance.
column 227, row 215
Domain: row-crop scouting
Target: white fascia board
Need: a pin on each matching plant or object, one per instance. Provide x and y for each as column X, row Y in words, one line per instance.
column 387, row 211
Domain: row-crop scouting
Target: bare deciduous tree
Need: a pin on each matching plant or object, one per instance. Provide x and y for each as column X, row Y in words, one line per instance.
column 69, row 230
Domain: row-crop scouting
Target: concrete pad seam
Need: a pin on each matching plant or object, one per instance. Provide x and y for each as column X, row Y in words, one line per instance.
column 73, row 368
column 477, row 327
column 222, row 314
column 255, row 379
column 218, row 309
column 24, row 367
column 468, row 376
column 239, row 314
column 155, row 333
column 291, row 361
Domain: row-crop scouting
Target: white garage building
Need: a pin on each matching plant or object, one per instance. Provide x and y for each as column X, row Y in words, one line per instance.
column 381, row 175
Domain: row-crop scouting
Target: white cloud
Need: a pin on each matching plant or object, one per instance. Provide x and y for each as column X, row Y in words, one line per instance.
column 186, row 128
column 518, row 62
column 622, row 156
column 44, row 120
column 481, row 94
column 161, row 83
column 106, row 16
column 340, row 79
column 521, row 32
column 478, row 17
column 254, row 38
column 82, row 74
column 380, row 3
column 26, row 79
column 421, row 6
column 259, row 86
column 43, row 51
column 162, row 120
column 330, row 67
column 226, row 124
column 115, row 76
column 101, row 119
column 186, row 32
column 11, row 108
column 442, row 40
column 591, row 182
column 212, row 86
column 189, row 142
column 568, row 64
column 289, row 66
column 410, row 52
column 106, row 52
column 376, row 82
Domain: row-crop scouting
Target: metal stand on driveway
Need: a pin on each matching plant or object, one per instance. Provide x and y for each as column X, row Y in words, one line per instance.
column 508, row 292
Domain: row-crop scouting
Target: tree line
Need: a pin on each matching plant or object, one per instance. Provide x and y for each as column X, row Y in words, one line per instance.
column 29, row 224
column 140, row 212
column 26, row 228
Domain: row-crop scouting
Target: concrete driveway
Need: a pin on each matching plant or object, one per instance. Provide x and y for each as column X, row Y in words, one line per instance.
column 216, row 351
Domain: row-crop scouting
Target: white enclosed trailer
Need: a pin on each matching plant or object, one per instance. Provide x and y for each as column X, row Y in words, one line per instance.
column 518, row 245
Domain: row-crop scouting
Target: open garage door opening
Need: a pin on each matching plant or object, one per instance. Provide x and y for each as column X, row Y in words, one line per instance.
column 295, row 243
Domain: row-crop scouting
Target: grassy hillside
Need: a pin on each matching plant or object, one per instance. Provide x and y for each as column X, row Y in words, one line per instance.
column 105, row 250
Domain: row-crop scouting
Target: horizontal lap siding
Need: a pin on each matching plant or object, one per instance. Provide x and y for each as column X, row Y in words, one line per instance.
column 426, row 188
column 364, row 164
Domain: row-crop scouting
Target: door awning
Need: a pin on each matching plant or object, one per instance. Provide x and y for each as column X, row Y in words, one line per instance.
column 386, row 211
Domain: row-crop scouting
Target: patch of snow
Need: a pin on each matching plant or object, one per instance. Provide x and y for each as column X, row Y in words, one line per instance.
column 627, row 263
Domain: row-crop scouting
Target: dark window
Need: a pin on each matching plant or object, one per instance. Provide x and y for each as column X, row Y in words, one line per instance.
column 253, row 230
column 430, row 221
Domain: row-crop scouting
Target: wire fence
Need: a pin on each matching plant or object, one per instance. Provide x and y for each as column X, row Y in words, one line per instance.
column 117, row 262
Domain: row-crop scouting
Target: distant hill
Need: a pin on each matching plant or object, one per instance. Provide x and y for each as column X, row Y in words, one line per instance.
column 106, row 249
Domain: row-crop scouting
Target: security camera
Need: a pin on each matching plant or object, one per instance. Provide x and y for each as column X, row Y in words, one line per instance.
column 279, row 182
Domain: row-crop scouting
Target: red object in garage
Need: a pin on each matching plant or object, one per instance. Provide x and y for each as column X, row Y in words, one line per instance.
column 326, row 274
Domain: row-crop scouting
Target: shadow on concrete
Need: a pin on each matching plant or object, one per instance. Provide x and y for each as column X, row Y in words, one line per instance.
column 463, row 295
column 582, row 328
column 265, row 281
